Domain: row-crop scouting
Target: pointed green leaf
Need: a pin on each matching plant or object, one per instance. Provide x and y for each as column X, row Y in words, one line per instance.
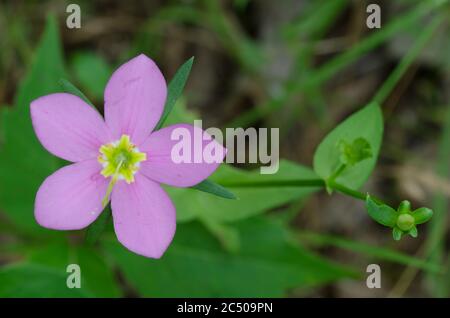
column 175, row 89
column 413, row 232
column 366, row 124
column 68, row 87
column 397, row 233
column 404, row 207
column 422, row 215
column 180, row 114
column 383, row 214
column 211, row 187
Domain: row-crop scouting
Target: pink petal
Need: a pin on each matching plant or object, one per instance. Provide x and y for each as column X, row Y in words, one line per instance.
column 160, row 167
column 134, row 98
column 68, row 127
column 144, row 216
column 70, row 199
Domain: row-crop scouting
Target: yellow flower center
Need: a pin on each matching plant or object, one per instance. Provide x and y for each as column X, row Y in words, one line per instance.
column 120, row 160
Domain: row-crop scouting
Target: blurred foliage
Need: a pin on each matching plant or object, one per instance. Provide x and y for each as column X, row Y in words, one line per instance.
column 266, row 265
column 24, row 164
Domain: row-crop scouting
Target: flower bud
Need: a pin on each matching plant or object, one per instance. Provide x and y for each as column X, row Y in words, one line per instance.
column 405, row 222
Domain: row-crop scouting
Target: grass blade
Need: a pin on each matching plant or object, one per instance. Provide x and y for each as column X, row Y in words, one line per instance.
column 329, row 69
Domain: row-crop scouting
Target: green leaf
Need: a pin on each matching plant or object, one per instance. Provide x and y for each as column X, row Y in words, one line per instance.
column 180, row 114
column 31, row 280
column 397, row 233
column 357, row 151
column 211, row 187
column 175, row 89
column 267, row 265
column 422, row 215
column 3, row 110
column 404, row 207
column 95, row 230
column 92, row 73
column 227, row 235
column 68, row 87
column 365, row 124
column 413, row 232
column 24, row 163
column 383, row 214
column 97, row 277
column 193, row 204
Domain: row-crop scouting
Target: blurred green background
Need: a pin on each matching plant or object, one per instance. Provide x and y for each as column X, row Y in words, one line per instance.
column 299, row 65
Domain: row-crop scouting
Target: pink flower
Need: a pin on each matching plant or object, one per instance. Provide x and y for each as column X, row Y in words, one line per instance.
column 118, row 158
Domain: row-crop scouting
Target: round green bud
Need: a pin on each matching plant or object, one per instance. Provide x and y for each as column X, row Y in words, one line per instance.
column 405, row 222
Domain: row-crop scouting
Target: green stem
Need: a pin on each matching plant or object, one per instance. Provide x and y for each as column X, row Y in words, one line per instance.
column 353, row 193
column 343, row 189
column 319, row 183
column 337, row 173
column 313, row 183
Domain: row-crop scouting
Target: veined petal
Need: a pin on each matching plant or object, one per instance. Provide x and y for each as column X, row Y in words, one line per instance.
column 134, row 98
column 144, row 216
column 71, row 198
column 68, row 127
column 162, row 167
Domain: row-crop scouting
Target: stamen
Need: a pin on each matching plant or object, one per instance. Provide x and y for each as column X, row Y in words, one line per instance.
column 121, row 161
column 111, row 185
